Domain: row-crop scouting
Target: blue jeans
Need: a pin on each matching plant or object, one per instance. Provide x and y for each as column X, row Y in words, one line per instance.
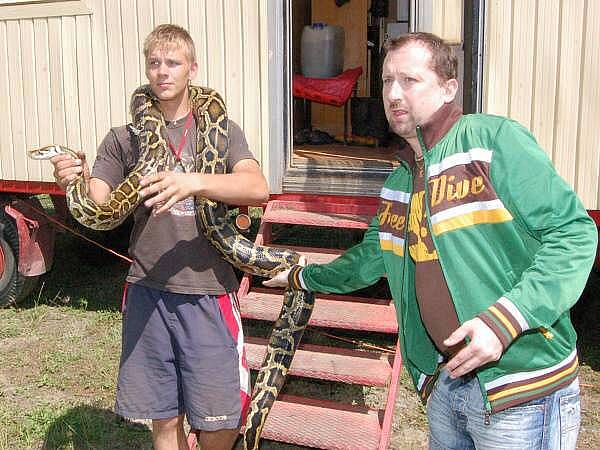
column 457, row 419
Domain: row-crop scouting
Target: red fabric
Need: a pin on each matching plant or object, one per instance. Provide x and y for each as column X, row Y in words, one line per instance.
column 332, row 91
column 230, row 309
column 124, row 297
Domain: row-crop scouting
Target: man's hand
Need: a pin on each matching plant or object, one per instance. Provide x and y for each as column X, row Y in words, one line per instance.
column 484, row 347
column 281, row 279
column 167, row 188
column 67, row 169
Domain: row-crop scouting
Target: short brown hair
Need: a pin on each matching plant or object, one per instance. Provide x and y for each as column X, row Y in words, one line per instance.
column 167, row 36
column 443, row 60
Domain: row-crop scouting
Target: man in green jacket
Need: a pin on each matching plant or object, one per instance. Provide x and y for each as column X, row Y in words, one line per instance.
column 486, row 248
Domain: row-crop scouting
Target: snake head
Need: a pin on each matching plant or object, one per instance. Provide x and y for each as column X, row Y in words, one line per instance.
column 49, row 151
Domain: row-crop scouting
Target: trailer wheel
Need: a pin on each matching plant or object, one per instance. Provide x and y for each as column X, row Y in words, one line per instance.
column 11, row 282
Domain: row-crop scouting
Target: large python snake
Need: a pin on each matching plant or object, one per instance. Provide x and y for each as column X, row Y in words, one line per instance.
column 211, row 153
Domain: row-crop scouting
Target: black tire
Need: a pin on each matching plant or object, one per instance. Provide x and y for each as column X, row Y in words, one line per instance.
column 11, row 282
column 29, row 285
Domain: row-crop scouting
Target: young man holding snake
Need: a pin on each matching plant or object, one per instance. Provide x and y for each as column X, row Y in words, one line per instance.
column 485, row 249
column 182, row 352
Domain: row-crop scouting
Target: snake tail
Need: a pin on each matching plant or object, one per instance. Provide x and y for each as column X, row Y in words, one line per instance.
column 283, row 342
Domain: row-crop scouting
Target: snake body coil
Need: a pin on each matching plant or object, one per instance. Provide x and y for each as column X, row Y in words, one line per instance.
column 211, row 153
column 285, row 336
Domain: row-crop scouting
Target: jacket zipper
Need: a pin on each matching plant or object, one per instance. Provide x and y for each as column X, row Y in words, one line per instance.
column 425, row 155
column 424, row 150
column 486, row 404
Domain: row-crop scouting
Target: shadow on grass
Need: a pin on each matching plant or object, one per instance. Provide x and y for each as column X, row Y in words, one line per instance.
column 86, row 427
column 586, row 316
column 84, row 276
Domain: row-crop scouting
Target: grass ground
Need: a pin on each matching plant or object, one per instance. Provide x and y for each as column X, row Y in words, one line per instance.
column 59, row 350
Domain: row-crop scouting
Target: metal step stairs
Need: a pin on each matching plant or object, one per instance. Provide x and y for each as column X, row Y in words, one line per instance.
column 313, row 422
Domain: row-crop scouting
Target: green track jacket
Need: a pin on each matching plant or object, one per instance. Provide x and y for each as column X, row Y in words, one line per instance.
column 515, row 244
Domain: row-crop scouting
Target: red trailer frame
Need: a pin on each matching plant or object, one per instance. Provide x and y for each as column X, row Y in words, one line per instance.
column 27, row 236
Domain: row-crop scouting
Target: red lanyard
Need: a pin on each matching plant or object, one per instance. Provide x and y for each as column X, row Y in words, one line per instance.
column 177, row 152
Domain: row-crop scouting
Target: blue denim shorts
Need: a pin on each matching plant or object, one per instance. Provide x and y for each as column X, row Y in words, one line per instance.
column 457, row 419
column 182, row 354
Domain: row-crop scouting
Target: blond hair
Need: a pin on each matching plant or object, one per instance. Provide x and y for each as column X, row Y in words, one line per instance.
column 167, row 36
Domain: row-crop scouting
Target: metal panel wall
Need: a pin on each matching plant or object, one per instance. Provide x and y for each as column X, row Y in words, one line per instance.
column 67, row 70
column 541, row 62
column 447, row 20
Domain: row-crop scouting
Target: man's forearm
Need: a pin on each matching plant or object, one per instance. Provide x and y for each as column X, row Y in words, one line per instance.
column 240, row 188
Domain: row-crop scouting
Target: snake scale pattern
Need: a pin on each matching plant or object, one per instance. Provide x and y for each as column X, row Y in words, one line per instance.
column 211, row 153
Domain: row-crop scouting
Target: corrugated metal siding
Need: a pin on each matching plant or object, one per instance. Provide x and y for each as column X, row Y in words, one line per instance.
column 66, row 78
column 541, row 62
column 447, row 20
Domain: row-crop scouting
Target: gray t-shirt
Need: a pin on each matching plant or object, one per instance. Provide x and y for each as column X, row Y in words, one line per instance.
column 168, row 251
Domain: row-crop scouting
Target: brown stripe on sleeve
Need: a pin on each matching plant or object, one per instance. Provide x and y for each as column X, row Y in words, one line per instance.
column 514, row 322
column 491, row 321
column 294, row 277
